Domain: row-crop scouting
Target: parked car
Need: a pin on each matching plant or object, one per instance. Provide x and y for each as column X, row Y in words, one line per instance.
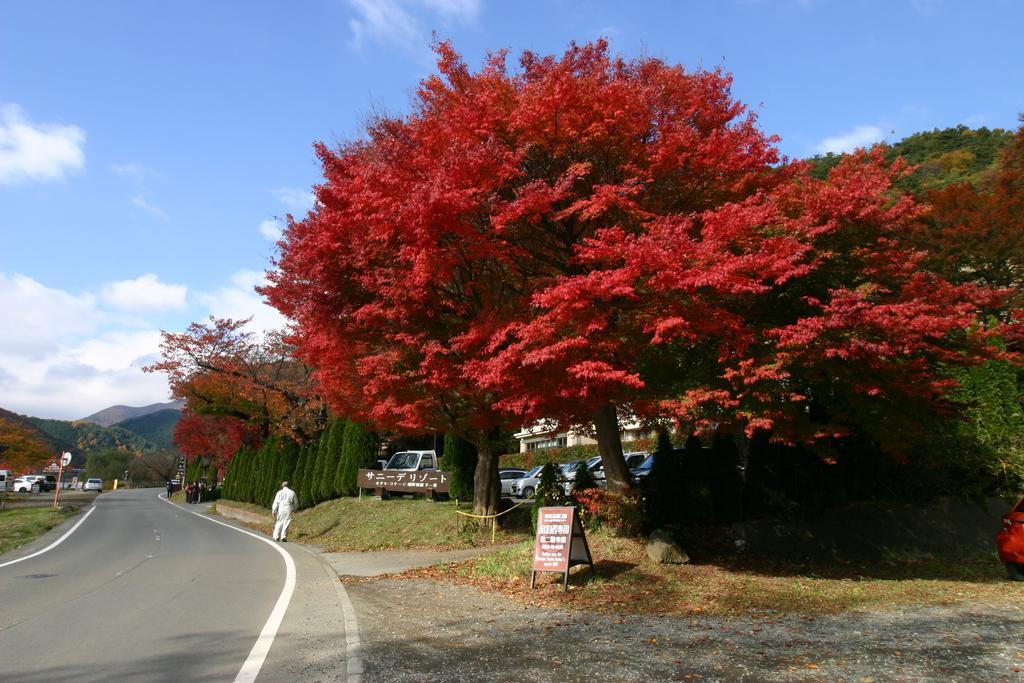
column 93, row 485
column 633, row 459
column 507, row 476
column 27, row 484
column 6, row 480
column 48, row 482
column 1010, row 542
column 526, row 486
column 643, row 470
column 413, row 461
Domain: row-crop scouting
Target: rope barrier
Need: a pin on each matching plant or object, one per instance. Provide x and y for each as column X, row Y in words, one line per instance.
column 493, row 518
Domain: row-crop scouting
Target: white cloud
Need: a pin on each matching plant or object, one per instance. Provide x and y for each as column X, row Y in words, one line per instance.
column 271, row 229
column 860, row 136
column 394, row 22
column 144, row 293
column 66, row 355
column 62, row 355
column 135, row 171
column 37, row 151
column 238, row 301
column 152, row 209
column 297, row 200
column 34, row 317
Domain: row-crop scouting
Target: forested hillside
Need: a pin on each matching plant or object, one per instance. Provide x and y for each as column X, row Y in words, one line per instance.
column 943, row 157
column 157, row 428
column 86, row 436
column 52, row 443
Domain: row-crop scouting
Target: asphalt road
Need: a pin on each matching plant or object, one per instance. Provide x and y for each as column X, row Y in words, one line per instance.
column 146, row 590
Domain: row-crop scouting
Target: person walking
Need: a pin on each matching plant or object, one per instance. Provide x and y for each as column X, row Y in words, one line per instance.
column 284, row 502
column 170, row 489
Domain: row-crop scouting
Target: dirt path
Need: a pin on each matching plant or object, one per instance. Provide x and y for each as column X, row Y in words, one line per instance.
column 423, row 630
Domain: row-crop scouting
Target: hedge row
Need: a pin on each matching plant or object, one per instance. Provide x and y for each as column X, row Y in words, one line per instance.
column 322, row 470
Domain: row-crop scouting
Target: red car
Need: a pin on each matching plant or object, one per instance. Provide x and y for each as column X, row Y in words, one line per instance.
column 1010, row 542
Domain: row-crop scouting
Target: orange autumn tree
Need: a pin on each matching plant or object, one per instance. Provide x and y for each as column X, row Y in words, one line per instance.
column 239, row 388
column 20, row 448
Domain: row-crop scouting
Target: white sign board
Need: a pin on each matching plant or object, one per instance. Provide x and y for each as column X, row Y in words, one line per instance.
column 65, row 459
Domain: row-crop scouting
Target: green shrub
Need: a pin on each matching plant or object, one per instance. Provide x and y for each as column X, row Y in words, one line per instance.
column 359, row 450
column 549, row 492
column 584, row 478
column 460, row 460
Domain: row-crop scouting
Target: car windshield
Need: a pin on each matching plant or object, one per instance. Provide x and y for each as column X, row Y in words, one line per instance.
column 94, row 481
column 534, row 472
column 648, row 463
column 403, row 461
column 570, row 466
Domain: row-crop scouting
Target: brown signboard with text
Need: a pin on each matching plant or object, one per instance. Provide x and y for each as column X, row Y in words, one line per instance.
column 423, row 481
column 560, row 542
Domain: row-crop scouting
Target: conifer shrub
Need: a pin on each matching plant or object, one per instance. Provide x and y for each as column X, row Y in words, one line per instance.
column 359, row 449
column 460, row 460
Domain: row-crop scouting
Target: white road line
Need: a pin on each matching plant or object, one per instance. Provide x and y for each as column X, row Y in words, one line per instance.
column 52, row 545
column 254, row 662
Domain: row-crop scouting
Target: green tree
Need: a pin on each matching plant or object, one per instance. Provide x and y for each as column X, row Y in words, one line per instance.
column 331, row 455
column 296, row 476
column 107, row 463
column 360, row 448
column 460, row 460
column 306, row 498
column 322, row 456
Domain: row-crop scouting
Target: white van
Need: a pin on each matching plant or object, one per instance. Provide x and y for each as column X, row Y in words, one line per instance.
column 6, row 479
column 412, row 461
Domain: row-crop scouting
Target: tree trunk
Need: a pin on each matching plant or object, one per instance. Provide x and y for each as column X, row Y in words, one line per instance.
column 743, row 444
column 486, row 485
column 609, row 445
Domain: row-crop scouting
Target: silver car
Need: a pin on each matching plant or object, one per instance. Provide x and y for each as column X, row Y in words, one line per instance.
column 526, row 486
column 507, row 477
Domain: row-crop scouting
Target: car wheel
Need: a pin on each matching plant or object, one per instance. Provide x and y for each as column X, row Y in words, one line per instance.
column 528, row 492
column 1014, row 571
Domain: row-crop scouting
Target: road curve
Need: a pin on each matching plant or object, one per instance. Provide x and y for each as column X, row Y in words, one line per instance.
column 142, row 590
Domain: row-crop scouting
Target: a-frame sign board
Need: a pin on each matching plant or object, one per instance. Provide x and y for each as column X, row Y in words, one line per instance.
column 560, row 543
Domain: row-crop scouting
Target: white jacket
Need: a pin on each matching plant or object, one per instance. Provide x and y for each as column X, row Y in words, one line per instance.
column 285, row 501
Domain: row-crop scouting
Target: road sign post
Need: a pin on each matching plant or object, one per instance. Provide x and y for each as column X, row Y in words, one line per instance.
column 65, row 460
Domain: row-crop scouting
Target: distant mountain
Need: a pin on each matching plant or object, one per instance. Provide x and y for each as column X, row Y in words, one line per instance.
column 85, row 437
column 117, row 414
column 157, row 428
column 53, row 443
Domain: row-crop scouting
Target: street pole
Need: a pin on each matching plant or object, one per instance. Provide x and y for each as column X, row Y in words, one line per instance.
column 65, row 459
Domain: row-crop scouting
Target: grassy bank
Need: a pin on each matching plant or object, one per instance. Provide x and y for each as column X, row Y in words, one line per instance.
column 626, row 580
column 21, row 526
column 367, row 524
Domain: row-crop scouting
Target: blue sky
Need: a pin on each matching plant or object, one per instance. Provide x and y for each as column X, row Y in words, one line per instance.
column 147, row 148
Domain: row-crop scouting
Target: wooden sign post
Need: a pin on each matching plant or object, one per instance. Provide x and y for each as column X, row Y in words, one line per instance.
column 560, row 544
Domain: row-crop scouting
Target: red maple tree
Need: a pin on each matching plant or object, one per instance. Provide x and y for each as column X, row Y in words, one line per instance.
column 799, row 312
column 432, row 237
column 217, row 437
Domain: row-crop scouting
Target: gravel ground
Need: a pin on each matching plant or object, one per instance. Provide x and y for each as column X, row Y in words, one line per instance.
column 423, row 630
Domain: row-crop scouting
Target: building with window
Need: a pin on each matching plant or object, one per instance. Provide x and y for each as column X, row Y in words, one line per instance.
column 547, row 435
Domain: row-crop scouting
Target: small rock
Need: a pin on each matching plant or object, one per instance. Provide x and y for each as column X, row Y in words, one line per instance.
column 662, row 549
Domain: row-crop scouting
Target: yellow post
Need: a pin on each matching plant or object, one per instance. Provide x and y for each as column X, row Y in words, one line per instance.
column 115, row 484
column 494, row 528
